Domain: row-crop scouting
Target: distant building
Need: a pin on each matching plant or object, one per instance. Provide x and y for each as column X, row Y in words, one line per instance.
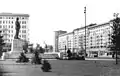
column 7, row 26
column 56, row 38
column 65, row 42
column 97, row 39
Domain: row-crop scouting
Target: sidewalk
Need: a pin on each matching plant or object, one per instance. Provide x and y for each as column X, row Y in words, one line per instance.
column 107, row 59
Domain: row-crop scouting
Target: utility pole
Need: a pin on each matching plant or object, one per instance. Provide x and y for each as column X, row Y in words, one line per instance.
column 65, row 52
column 85, row 30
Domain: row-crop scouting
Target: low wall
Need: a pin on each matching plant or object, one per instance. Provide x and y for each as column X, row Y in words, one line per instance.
column 44, row 56
column 30, row 55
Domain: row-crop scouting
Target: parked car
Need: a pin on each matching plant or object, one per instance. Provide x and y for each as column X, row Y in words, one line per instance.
column 76, row 56
column 64, row 57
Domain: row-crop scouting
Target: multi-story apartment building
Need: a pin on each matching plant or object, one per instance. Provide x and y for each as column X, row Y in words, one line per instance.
column 79, row 39
column 97, row 39
column 7, row 26
column 56, row 38
column 65, row 42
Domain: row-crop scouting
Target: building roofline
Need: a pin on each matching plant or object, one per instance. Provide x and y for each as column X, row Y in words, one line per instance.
column 60, row 30
column 92, row 24
column 98, row 25
column 65, row 34
column 14, row 14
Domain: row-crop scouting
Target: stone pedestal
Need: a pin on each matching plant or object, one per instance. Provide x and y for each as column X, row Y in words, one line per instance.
column 17, row 48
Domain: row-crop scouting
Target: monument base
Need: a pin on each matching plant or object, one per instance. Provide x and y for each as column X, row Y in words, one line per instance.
column 3, row 56
column 16, row 49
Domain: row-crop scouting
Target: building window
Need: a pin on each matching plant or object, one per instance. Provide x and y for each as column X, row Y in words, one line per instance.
column 0, row 26
column 23, row 26
column 3, row 26
column 24, row 36
column 11, row 26
column 9, row 22
column 0, row 22
column 11, row 31
column 3, row 22
column 25, row 22
column 23, row 31
column 12, row 22
column 22, row 17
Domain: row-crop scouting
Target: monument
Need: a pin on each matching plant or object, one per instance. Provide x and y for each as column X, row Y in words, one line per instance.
column 17, row 44
column 17, row 27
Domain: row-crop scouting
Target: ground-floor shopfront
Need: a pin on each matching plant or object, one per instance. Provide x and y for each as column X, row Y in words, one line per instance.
column 98, row 52
column 91, row 52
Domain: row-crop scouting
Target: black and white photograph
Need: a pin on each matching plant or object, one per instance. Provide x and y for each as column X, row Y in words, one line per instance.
column 59, row 38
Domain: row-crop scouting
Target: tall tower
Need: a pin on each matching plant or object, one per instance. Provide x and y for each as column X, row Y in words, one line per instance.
column 56, row 38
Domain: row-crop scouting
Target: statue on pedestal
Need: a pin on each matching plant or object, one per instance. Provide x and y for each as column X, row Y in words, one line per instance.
column 17, row 27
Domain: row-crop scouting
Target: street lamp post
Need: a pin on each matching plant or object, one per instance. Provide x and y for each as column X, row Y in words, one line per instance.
column 116, row 16
column 85, row 29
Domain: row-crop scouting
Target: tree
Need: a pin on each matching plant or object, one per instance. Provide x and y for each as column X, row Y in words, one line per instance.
column 115, row 37
column 69, row 53
column 51, row 48
column 1, row 44
column 42, row 50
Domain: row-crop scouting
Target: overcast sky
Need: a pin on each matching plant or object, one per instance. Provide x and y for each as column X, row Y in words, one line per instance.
column 47, row 16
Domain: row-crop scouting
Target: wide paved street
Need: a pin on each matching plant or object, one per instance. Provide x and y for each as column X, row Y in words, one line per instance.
column 63, row 68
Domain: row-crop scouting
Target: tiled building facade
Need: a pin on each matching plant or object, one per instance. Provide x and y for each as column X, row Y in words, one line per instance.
column 97, row 39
